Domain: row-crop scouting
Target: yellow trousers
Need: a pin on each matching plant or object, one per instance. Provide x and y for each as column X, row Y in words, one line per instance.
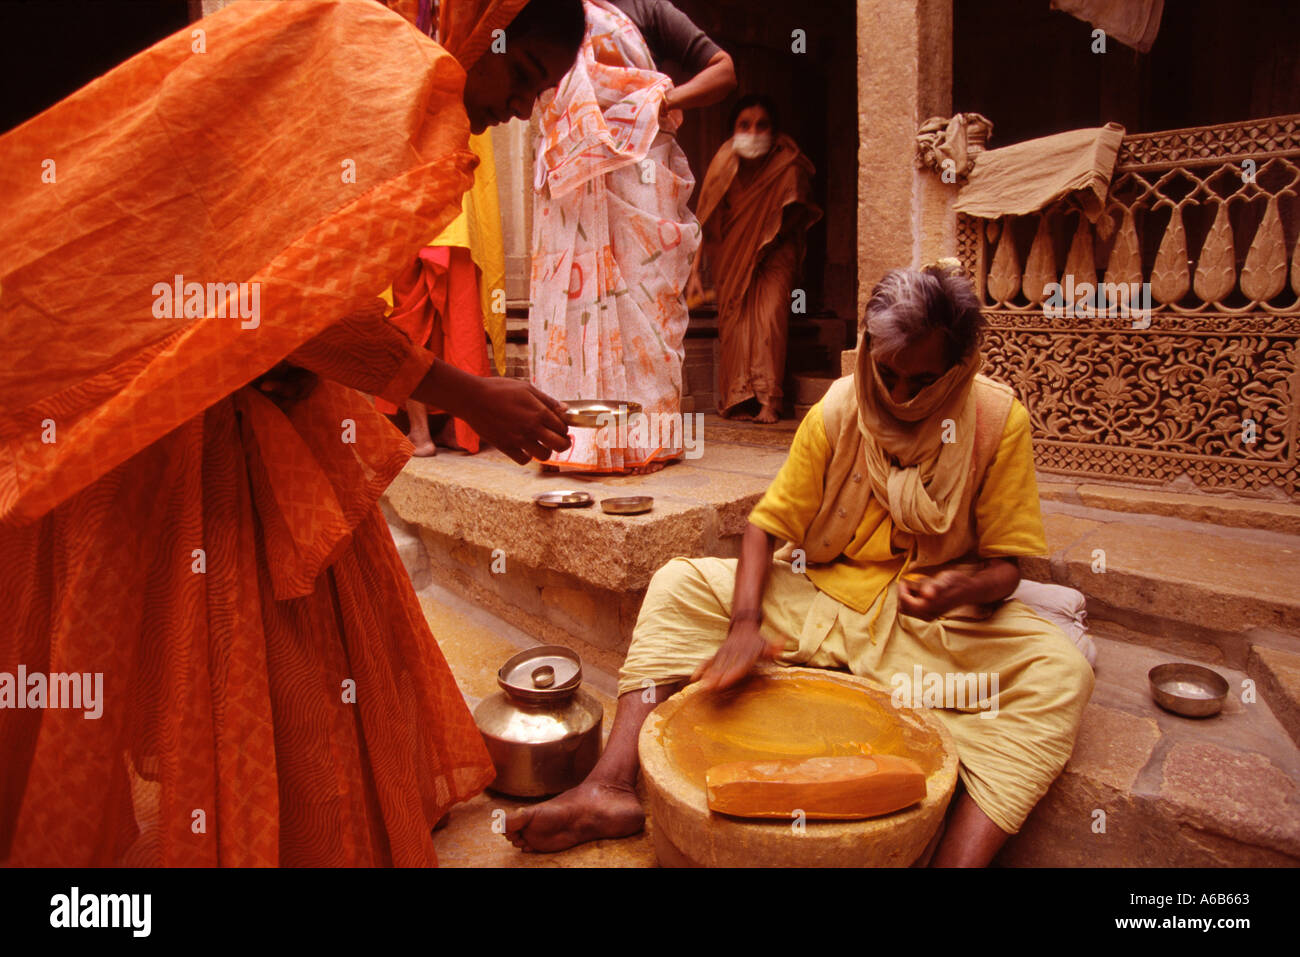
column 1010, row 688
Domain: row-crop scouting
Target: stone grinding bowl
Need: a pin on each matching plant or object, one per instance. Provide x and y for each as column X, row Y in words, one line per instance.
column 687, row 834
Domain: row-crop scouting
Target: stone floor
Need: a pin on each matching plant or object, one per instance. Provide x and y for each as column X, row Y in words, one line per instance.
column 475, row 644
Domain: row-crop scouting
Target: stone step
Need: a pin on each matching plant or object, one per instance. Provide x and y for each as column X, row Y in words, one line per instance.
column 1277, row 672
column 1201, row 590
column 1206, row 592
column 1168, row 791
column 1222, row 510
column 809, row 389
column 573, row 572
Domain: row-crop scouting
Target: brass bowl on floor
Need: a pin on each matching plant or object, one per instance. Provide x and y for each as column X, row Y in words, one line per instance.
column 594, row 413
column 1187, row 689
column 627, row 505
column 787, row 712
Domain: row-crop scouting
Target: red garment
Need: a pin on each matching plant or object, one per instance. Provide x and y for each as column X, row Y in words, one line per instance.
column 436, row 303
column 271, row 693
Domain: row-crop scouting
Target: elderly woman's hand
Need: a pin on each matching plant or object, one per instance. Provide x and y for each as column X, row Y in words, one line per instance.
column 930, row 598
column 743, row 648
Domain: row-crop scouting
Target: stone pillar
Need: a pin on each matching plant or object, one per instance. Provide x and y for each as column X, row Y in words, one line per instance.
column 512, row 146
column 904, row 77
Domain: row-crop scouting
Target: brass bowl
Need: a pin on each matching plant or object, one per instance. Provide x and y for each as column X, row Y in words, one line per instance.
column 594, row 413
column 627, row 505
column 563, row 498
column 1188, row 689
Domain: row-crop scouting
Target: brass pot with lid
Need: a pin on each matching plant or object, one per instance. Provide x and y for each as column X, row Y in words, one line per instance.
column 542, row 729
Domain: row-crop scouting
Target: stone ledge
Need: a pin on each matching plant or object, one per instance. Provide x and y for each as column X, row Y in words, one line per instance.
column 1221, row 510
column 486, row 501
column 573, row 575
column 1278, row 675
column 1174, row 578
column 1175, row 792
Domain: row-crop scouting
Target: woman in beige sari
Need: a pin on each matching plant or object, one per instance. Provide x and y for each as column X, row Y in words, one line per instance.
column 755, row 207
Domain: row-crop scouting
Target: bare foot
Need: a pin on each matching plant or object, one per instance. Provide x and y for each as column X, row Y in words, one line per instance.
column 423, row 448
column 741, row 416
column 767, row 415
column 589, row 812
column 648, row 468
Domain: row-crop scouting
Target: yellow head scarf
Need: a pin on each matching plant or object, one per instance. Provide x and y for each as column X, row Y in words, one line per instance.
column 918, row 453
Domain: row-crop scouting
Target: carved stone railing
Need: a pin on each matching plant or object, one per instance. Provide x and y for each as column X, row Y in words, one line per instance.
column 1201, row 390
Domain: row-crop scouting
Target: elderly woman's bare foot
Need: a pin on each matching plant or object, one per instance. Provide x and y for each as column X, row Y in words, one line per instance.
column 767, row 415
column 589, row 812
column 648, row 468
column 424, row 447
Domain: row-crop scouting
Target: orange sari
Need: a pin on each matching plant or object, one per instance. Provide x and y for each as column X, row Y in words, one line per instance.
column 754, row 245
column 271, row 693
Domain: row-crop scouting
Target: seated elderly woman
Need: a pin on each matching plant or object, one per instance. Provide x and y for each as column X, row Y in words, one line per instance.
column 909, row 492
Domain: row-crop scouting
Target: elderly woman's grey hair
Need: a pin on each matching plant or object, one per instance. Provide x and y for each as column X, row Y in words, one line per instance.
column 908, row 304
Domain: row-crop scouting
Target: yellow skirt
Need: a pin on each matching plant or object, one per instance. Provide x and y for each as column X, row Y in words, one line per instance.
column 1010, row 688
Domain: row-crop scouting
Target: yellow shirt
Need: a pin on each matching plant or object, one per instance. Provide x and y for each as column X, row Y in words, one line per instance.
column 1006, row 517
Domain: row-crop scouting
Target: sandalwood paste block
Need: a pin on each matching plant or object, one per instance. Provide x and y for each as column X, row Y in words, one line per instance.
column 823, row 788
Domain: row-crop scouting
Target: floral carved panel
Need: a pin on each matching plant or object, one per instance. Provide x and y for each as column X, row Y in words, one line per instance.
column 1204, row 384
column 1153, row 404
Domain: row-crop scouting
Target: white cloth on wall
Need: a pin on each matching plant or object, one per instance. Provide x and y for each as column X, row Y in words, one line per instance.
column 1026, row 177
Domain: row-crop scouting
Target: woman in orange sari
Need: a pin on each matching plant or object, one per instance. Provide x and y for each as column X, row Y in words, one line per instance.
column 755, row 207
column 210, row 653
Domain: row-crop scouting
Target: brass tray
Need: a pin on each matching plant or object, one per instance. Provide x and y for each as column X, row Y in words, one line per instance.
column 593, row 413
column 563, row 498
column 627, row 505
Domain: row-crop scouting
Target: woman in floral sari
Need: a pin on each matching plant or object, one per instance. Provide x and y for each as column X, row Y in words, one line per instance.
column 613, row 242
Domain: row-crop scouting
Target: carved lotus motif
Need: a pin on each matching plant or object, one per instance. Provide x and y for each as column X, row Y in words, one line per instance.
column 1112, row 390
column 1215, row 270
column 1264, row 274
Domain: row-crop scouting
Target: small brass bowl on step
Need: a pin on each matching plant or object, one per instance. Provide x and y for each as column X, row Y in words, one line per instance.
column 627, row 505
column 1188, row 689
column 563, row 498
column 594, row 413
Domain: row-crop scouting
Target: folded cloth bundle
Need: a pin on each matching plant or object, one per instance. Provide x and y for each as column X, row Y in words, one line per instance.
column 1025, row 177
column 957, row 139
column 1064, row 607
